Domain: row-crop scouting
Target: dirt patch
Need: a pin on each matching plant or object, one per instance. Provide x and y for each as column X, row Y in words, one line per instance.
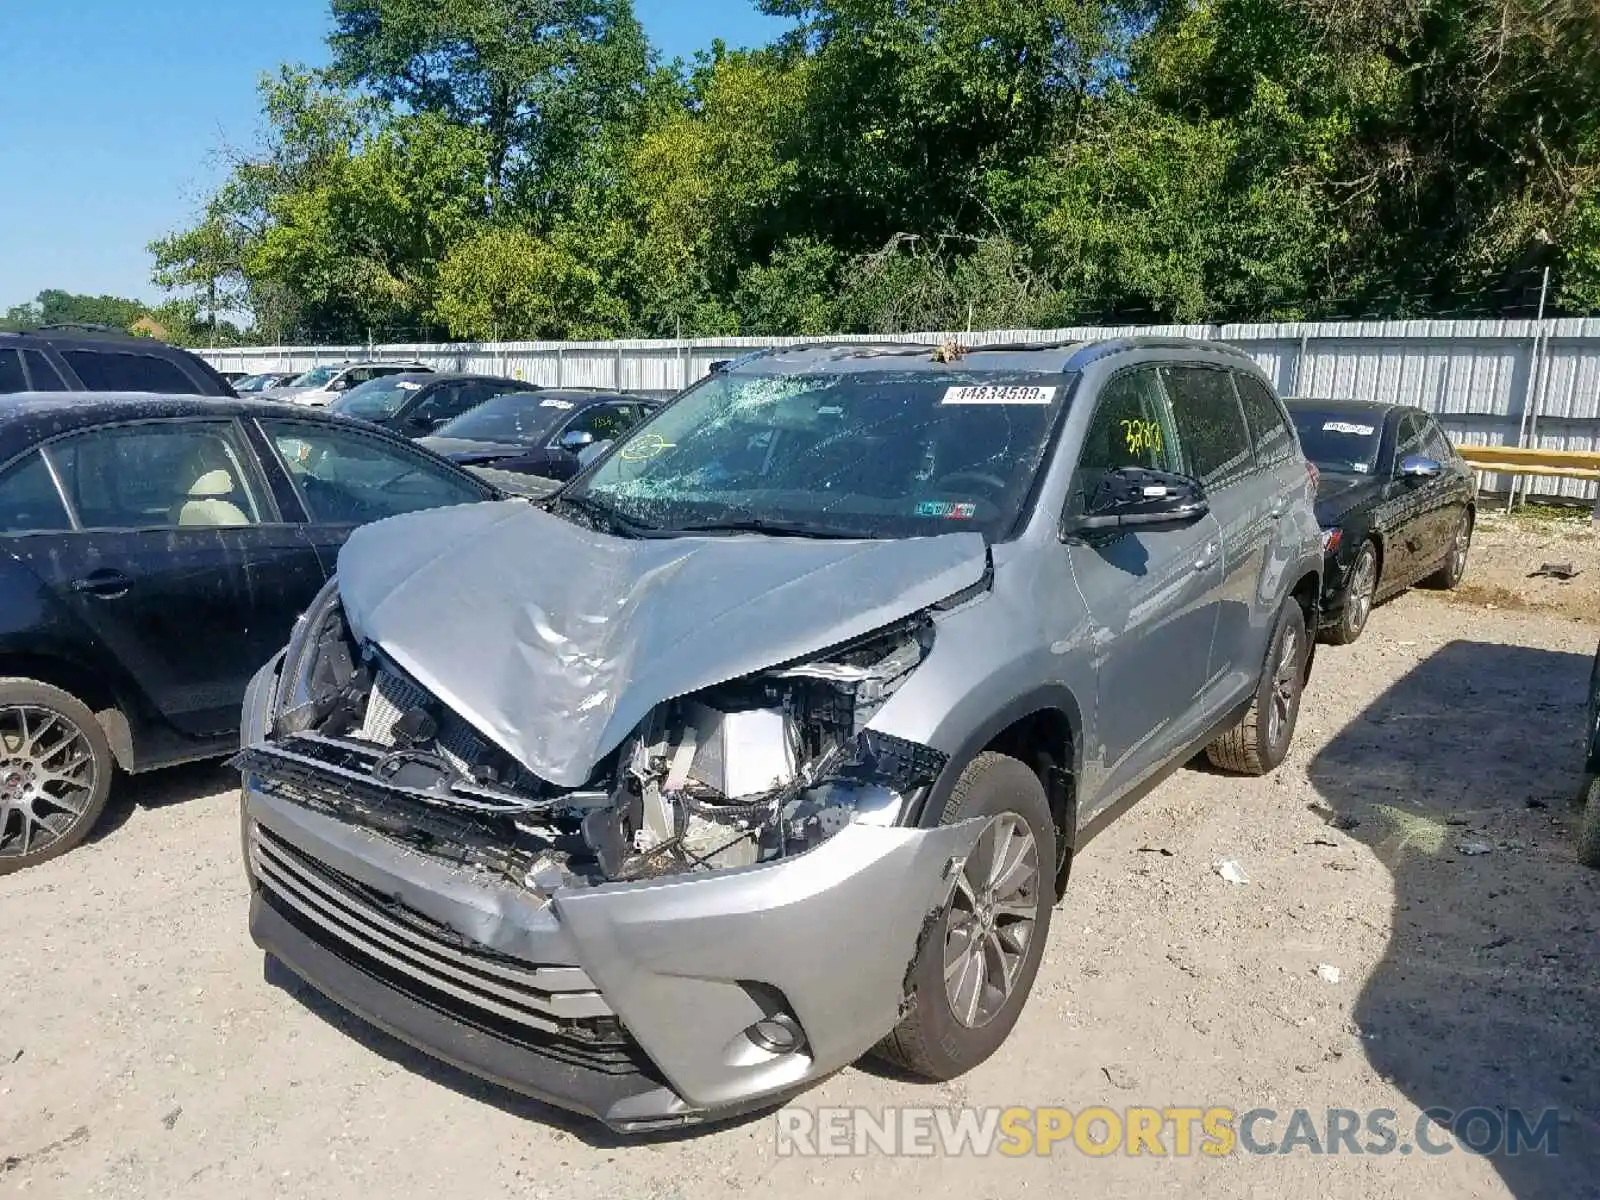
column 1508, row 553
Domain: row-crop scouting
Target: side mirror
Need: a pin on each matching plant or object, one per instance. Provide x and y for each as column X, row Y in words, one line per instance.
column 1134, row 499
column 574, row 440
column 592, row 451
column 1417, row 468
column 339, row 385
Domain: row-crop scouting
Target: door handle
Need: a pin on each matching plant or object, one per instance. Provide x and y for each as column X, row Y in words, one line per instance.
column 1207, row 559
column 108, row 584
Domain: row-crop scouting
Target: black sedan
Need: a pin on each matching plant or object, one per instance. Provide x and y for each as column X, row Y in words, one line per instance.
column 417, row 404
column 157, row 551
column 1396, row 504
column 1589, row 823
column 551, row 432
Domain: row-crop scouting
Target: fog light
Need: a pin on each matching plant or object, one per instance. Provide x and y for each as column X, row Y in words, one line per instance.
column 778, row 1034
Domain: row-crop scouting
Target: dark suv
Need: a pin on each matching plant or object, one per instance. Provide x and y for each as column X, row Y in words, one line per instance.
column 79, row 358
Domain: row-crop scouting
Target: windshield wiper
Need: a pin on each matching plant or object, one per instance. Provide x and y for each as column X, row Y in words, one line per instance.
column 599, row 510
column 796, row 529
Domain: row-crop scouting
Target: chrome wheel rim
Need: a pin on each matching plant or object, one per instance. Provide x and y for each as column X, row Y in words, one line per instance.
column 1285, row 686
column 1458, row 563
column 1363, row 586
column 990, row 924
column 47, row 778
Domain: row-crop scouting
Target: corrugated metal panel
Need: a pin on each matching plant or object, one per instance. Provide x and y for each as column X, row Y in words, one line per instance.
column 1479, row 376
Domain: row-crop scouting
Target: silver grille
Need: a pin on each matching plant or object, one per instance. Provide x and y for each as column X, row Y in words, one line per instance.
column 538, row 997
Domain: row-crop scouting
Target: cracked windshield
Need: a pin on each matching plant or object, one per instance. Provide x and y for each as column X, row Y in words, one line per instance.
column 876, row 454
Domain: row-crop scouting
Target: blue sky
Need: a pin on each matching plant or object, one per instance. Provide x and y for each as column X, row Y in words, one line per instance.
column 111, row 114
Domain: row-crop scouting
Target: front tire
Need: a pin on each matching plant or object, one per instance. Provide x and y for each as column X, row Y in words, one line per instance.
column 977, row 963
column 1260, row 742
column 55, row 773
column 1589, row 825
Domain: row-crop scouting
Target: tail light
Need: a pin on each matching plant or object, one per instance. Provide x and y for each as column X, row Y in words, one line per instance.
column 1314, row 474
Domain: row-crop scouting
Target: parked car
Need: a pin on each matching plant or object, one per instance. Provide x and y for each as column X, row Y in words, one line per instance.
column 156, row 551
column 322, row 385
column 1589, row 824
column 1396, row 503
column 768, row 741
column 252, row 384
column 549, row 432
column 74, row 358
column 232, row 377
column 417, row 404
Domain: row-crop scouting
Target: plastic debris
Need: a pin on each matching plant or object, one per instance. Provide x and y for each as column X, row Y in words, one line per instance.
column 1561, row 571
column 1232, row 871
column 1328, row 973
column 1473, row 849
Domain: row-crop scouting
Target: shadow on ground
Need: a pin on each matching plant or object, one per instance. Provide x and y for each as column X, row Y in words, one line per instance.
column 157, row 789
column 1489, row 994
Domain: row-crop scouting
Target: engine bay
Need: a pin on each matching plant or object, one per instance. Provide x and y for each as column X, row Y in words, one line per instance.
column 745, row 772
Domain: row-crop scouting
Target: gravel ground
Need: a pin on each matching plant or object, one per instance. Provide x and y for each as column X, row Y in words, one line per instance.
column 143, row 1053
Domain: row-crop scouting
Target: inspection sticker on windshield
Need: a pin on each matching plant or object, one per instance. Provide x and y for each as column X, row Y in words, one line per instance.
column 947, row 509
column 999, row 395
column 554, row 403
column 1347, row 427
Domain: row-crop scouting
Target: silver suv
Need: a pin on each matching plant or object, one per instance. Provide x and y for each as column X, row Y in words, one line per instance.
column 768, row 741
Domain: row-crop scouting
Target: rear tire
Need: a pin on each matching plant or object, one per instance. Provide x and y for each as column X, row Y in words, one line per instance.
column 55, row 773
column 986, row 933
column 1589, row 825
column 1359, row 598
column 1448, row 577
column 1260, row 742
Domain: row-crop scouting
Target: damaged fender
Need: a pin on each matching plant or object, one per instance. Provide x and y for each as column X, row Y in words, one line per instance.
column 834, row 931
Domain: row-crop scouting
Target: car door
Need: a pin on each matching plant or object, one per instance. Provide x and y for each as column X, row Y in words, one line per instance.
column 605, row 422
column 1414, row 508
column 1217, row 451
column 177, row 561
column 344, row 477
column 1456, row 486
column 1151, row 597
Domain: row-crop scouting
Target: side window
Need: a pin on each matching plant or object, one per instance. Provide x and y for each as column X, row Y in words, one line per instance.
column 346, row 478
column 1210, row 424
column 1408, row 440
column 157, row 476
column 29, row 502
column 11, row 377
column 606, row 421
column 118, row 371
column 1131, row 427
column 42, row 376
column 1270, row 434
column 451, row 400
column 1435, row 444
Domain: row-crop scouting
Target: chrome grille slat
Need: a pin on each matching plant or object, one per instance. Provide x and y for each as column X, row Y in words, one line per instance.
column 538, row 997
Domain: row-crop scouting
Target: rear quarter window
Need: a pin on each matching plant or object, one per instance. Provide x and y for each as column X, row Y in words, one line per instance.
column 125, row 371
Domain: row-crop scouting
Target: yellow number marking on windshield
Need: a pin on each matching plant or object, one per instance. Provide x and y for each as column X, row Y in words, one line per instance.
column 645, row 446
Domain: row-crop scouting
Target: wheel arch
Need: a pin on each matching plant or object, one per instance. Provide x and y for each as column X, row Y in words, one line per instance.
column 86, row 685
column 1044, row 730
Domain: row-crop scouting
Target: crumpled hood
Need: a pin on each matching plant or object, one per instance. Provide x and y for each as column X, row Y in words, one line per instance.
column 555, row 641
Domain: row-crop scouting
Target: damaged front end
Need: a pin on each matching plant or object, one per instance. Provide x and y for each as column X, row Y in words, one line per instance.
column 747, row 772
column 724, row 911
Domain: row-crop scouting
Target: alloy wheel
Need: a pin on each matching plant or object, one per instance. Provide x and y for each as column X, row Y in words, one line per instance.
column 1285, row 686
column 991, row 921
column 1363, row 587
column 47, row 778
column 1458, row 562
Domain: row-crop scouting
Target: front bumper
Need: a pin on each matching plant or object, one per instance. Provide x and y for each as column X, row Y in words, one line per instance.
column 628, row 1002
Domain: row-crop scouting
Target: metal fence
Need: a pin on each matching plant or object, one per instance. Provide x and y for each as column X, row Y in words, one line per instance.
column 1534, row 383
